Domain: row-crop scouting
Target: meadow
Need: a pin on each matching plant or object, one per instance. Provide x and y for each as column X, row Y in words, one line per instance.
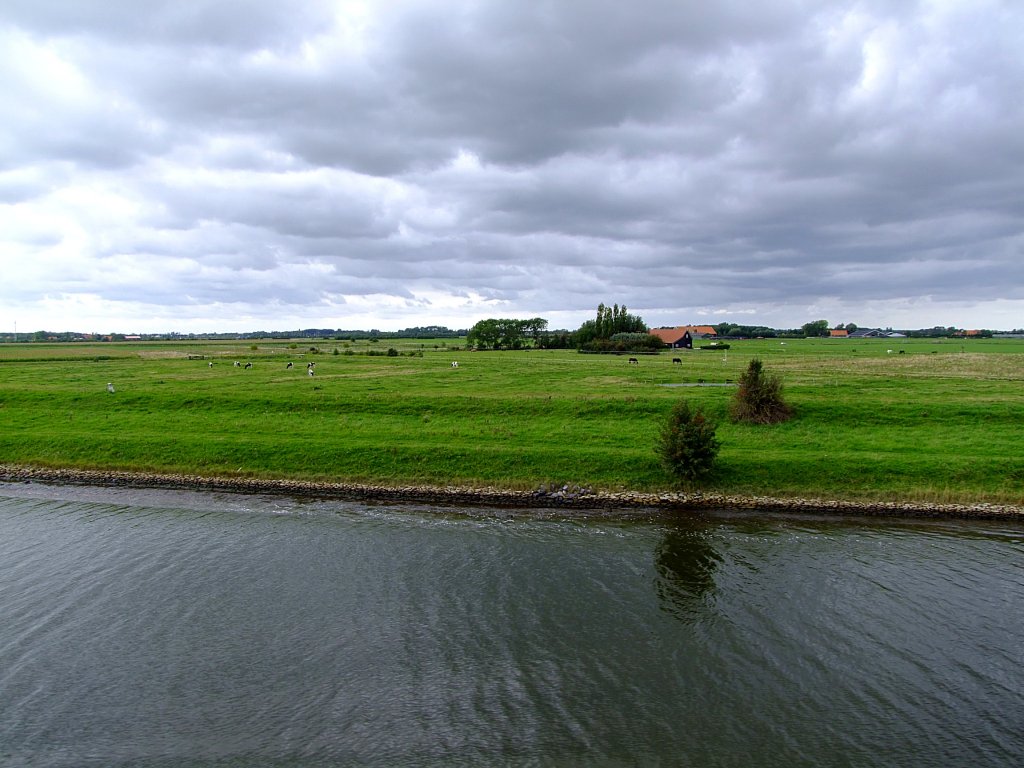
column 932, row 420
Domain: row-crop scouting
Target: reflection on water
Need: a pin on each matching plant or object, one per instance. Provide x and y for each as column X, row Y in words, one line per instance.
column 686, row 561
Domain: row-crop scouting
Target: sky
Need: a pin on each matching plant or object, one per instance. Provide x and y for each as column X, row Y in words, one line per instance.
column 227, row 165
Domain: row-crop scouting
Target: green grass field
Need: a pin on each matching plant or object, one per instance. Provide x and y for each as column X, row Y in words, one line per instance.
column 940, row 422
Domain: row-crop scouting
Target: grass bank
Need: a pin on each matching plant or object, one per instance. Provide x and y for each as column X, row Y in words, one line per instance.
column 931, row 421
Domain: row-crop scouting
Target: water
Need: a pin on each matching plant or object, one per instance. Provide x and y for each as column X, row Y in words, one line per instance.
column 149, row 628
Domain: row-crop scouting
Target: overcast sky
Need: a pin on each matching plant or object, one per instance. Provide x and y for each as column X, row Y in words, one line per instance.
column 229, row 165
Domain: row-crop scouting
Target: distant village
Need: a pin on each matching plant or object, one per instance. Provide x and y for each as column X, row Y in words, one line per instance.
column 678, row 336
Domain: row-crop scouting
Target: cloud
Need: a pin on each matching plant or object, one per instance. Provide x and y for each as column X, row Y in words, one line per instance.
column 444, row 163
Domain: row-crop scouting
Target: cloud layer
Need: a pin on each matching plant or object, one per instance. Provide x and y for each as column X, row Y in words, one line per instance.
column 221, row 165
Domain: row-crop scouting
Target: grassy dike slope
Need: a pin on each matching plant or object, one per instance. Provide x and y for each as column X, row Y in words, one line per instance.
column 941, row 423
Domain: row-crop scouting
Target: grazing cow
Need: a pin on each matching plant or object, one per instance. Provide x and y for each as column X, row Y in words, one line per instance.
column 455, row 364
column 110, row 387
column 634, row 361
column 248, row 365
column 311, row 372
column 237, row 364
column 288, row 366
column 310, row 366
column 888, row 351
column 676, row 361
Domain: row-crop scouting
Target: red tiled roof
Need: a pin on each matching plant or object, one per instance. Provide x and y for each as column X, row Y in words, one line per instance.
column 672, row 335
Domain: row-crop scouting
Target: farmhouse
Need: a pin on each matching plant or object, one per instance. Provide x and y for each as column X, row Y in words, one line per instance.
column 838, row 333
column 682, row 336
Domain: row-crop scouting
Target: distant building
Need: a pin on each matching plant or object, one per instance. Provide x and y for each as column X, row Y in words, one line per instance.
column 839, row 333
column 682, row 336
column 875, row 333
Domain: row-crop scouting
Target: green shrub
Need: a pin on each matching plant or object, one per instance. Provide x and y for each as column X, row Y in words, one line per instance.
column 758, row 400
column 687, row 445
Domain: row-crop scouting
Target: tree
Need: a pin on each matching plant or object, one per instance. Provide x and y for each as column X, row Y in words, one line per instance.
column 687, row 445
column 484, row 334
column 609, row 321
column 817, row 328
column 602, row 321
column 504, row 333
column 759, row 397
column 536, row 327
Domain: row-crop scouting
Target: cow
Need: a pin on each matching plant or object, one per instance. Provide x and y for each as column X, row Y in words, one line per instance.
column 311, row 372
column 676, row 361
column 248, row 365
column 634, row 361
column 455, row 364
column 110, row 386
column 237, row 364
column 210, row 365
column 288, row 366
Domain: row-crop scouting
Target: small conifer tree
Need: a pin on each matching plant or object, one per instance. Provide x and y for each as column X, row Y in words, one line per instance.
column 758, row 400
column 687, row 445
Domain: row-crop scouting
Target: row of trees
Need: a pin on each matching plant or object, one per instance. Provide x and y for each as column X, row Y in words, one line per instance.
column 614, row 329
column 504, row 333
column 609, row 322
column 821, row 328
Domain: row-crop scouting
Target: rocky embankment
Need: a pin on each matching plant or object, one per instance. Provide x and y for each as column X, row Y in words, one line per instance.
column 572, row 497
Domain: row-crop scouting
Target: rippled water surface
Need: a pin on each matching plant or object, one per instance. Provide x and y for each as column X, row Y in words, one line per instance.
column 150, row 628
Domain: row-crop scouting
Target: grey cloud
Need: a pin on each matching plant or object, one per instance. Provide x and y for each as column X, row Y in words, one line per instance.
column 528, row 156
column 215, row 23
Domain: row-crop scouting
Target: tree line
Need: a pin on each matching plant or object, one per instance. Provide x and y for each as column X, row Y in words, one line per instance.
column 614, row 329
column 505, row 333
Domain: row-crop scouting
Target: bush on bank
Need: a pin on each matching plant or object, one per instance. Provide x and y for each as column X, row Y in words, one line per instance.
column 758, row 400
column 687, row 445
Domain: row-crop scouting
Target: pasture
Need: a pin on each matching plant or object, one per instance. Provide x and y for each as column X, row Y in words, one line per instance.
column 932, row 420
